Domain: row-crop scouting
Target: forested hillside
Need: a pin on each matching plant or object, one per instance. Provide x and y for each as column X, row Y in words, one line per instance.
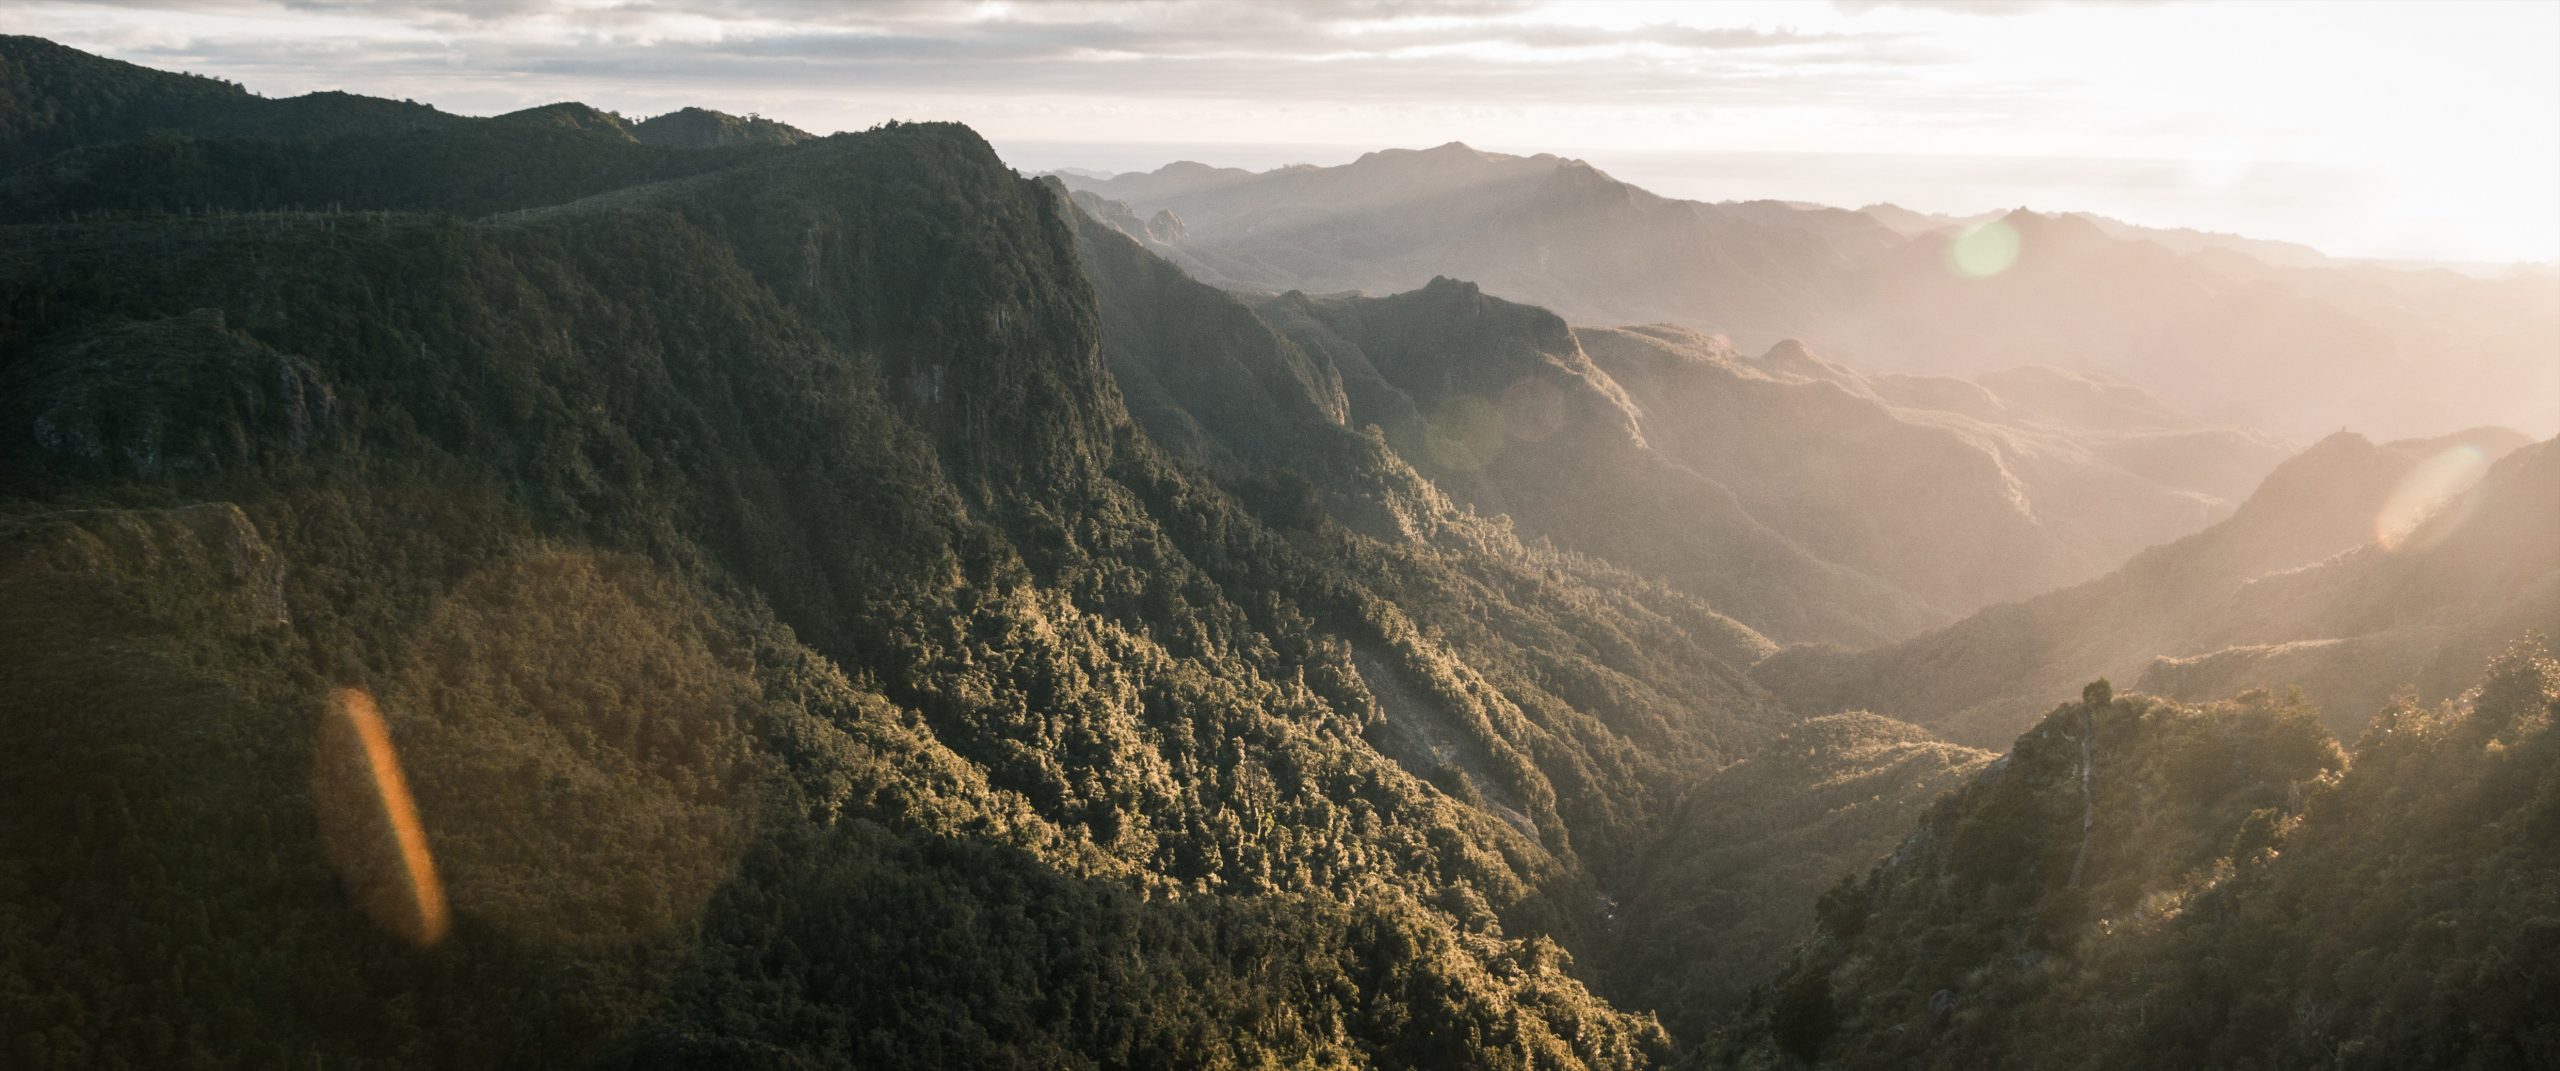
column 549, row 590
column 795, row 649
column 1729, row 889
column 2145, row 884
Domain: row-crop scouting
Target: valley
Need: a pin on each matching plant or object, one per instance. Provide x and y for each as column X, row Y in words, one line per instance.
column 841, row 601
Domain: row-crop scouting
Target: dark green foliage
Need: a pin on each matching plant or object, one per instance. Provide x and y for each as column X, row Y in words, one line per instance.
column 53, row 98
column 796, row 651
column 702, row 128
column 1804, row 1017
column 2250, row 899
column 1751, row 862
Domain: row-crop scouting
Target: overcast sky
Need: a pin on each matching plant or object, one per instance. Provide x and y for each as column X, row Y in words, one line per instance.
column 2369, row 129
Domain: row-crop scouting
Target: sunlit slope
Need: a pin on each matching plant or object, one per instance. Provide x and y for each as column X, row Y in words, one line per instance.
column 2262, row 582
column 1803, row 498
column 1965, row 491
column 2146, row 884
column 2413, row 609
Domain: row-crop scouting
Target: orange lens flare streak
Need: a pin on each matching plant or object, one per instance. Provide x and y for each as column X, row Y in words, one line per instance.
column 372, row 821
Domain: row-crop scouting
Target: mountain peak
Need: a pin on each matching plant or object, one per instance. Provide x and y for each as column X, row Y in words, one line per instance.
column 572, row 115
column 703, row 128
column 2038, row 230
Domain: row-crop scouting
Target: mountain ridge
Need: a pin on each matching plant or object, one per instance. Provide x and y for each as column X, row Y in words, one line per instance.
column 2236, row 330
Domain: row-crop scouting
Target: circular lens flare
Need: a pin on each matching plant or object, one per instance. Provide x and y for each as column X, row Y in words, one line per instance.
column 1984, row 251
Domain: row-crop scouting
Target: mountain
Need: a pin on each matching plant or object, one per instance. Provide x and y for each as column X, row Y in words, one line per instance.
column 54, row 98
column 1545, row 230
column 2292, row 589
column 1730, row 887
column 2147, row 884
column 83, row 136
column 2414, row 611
column 2233, row 330
column 1963, row 491
column 1805, row 500
column 1500, row 406
column 702, row 128
column 793, row 648
column 2263, row 252
column 521, row 591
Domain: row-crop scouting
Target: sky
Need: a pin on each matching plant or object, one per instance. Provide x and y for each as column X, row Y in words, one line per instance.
column 2374, row 129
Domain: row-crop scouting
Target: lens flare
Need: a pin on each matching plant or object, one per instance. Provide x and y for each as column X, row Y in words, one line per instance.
column 2431, row 501
column 1984, row 251
column 369, row 822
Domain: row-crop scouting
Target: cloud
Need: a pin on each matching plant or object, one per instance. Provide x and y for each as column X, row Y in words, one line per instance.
column 1492, row 53
column 1984, row 7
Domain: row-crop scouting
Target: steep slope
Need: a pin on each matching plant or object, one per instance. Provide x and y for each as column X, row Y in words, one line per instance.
column 1729, row 889
column 1966, row 492
column 2255, row 579
column 2417, row 611
column 1806, row 500
column 2142, row 884
column 1499, row 404
column 783, row 626
column 2234, row 331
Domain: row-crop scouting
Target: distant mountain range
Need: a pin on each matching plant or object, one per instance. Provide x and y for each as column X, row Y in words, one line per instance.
column 2234, row 330
column 1805, row 499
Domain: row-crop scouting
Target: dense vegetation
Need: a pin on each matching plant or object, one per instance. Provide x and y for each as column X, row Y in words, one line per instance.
column 797, row 653
column 2145, row 884
column 1729, row 889
column 834, row 603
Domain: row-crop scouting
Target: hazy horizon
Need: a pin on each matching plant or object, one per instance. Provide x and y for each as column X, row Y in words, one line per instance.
column 1954, row 186
column 2341, row 132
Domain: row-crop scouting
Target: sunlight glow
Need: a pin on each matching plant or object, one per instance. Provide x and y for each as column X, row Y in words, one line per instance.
column 2430, row 503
